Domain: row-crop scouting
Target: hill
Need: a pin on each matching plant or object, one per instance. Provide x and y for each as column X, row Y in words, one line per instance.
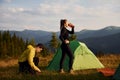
column 98, row 33
column 105, row 40
column 106, row 44
column 37, row 35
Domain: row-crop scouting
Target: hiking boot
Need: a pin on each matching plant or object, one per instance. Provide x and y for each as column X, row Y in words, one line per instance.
column 62, row 71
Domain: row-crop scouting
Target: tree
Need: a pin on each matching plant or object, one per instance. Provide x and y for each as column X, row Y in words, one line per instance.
column 10, row 46
column 26, row 42
column 4, row 49
column 72, row 37
column 45, row 52
column 0, row 43
column 0, row 36
column 32, row 42
column 54, row 42
column 6, row 38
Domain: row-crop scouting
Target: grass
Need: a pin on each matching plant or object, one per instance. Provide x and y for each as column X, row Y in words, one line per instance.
column 10, row 73
column 9, row 70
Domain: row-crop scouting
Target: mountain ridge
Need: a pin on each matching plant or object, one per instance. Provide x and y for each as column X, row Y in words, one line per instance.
column 98, row 33
column 96, row 40
column 106, row 44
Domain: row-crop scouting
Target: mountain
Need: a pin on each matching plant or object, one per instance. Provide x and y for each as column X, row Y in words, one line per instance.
column 104, row 40
column 45, row 36
column 98, row 33
column 106, row 44
column 37, row 35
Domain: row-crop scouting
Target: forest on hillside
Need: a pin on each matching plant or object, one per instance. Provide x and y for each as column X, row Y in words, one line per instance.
column 13, row 46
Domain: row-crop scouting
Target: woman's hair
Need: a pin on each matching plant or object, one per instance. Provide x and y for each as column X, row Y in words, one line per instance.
column 62, row 22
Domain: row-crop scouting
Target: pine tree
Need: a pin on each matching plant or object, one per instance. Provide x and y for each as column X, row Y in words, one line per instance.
column 72, row 37
column 0, row 35
column 6, row 37
column 15, row 44
column 45, row 52
column 54, row 42
column 32, row 42
column 26, row 42
column 0, row 43
column 4, row 49
column 10, row 46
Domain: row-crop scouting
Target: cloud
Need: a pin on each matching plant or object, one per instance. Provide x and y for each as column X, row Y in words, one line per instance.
column 47, row 13
column 16, row 10
column 8, row 1
column 5, row 1
column 10, row 26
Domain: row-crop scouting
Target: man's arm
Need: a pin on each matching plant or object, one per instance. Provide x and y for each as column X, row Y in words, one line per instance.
column 30, row 60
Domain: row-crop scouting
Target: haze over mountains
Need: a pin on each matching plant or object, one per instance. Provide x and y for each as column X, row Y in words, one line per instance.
column 103, row 40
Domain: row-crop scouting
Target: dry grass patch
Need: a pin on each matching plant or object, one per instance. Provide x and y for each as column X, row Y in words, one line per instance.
column 110, row 60
column 8, row 62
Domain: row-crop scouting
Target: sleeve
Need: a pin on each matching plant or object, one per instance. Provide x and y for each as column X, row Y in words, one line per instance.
column 72, row 31
column 30, row 60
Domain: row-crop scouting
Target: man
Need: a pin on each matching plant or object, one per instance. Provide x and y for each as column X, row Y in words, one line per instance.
column 28, row 62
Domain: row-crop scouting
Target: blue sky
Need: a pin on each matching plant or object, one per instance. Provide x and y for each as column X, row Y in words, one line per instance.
column 46, row 14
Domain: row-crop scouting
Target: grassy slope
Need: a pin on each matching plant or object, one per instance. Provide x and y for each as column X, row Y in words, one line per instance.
column 9, row 70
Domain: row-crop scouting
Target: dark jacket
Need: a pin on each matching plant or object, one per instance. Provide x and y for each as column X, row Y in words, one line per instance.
column 64, row 34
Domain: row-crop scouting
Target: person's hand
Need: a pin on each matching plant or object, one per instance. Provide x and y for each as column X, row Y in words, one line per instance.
column 71, row 25
column 38, row 73
column 67, row 41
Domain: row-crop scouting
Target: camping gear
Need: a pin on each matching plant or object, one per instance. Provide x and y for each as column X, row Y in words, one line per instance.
column 107, row 71
column 83, row 58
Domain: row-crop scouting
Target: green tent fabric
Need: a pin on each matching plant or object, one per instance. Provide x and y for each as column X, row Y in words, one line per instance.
column 83, row 58
column 117, row 74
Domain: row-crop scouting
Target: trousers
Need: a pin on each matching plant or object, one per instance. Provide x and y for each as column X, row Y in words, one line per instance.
column 66, row 50
column 25, row 67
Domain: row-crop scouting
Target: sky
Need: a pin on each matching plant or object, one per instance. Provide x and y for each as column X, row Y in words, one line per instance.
column 46, row 14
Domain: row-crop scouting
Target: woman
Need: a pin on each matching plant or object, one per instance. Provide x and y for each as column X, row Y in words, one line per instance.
column 64, row 36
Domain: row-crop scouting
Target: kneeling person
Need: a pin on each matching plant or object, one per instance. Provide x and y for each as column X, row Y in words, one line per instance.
column 28, row 62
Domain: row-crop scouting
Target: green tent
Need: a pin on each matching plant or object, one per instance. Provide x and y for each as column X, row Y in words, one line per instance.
column 83, row 58
column 117, row 74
